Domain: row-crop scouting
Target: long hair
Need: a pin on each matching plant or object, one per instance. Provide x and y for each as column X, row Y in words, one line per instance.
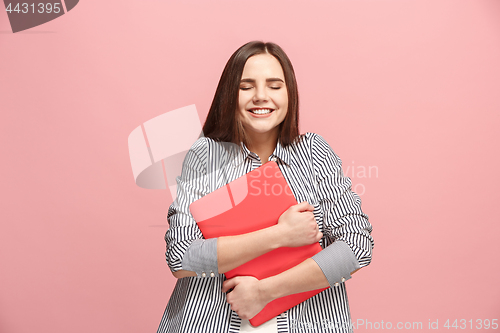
column 223, row 124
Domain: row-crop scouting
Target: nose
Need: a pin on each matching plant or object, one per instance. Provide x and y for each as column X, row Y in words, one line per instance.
column 260, row 94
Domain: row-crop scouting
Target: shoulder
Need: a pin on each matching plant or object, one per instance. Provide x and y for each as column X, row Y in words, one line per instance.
column 197, row 154
column 309, row 137
column 203, row 145
column 205, row 148
column 314, row 141
column 320, row 149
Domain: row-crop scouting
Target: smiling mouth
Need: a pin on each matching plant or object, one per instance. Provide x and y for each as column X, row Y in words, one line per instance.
column 261, row 111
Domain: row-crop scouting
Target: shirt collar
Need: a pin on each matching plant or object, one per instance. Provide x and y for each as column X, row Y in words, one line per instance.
column 280, row 152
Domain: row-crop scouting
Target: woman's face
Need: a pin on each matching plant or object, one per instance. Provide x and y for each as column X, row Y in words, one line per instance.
column 263, row 97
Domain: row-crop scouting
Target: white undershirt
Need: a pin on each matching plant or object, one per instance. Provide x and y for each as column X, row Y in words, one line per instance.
column 270, row 326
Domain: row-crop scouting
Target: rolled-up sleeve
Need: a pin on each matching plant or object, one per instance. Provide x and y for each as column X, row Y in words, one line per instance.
column 346, row 227
column 186, row 247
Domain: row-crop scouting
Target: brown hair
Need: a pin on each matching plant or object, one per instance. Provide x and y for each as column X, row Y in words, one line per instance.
column 222, row 124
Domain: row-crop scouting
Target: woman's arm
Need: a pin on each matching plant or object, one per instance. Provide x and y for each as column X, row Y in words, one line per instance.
column 296, row 227
column 249, row 295
column 232, row 251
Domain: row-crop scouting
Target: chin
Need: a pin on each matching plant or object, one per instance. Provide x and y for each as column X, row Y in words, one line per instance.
column 262, row 130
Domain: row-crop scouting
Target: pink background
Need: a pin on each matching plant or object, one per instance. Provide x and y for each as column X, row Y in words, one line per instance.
column 407, row 87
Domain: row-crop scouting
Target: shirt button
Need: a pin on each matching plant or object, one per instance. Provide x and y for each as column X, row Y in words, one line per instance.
column 203, row 274
column 336, row 284
column 343, row 280
column 273, row 159
column 212, row 274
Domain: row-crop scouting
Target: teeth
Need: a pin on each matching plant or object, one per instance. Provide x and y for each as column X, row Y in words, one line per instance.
column 261, row 111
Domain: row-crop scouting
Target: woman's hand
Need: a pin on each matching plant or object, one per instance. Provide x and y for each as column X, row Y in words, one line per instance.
column 298, row 226
column 247, row 298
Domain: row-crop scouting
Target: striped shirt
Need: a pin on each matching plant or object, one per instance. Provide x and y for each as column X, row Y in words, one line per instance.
column 313, row 172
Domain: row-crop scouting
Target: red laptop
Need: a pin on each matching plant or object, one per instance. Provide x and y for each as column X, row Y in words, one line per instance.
column 249, row 203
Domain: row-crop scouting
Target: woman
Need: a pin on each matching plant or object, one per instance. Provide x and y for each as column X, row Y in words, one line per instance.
column 256, row 108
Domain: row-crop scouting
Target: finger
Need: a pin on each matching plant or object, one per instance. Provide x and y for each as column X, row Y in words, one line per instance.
column 228, row 284
column 319, row 235
column 229, row 299
column 304, row 206
column 308, row 206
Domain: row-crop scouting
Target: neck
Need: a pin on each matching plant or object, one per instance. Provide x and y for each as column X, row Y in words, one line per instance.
column 263, row 144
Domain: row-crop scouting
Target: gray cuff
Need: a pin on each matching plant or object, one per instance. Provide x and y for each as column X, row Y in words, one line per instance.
column 337, row 261
column 201, row 258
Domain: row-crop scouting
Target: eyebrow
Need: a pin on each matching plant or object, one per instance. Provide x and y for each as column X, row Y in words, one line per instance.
column 272, row 79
